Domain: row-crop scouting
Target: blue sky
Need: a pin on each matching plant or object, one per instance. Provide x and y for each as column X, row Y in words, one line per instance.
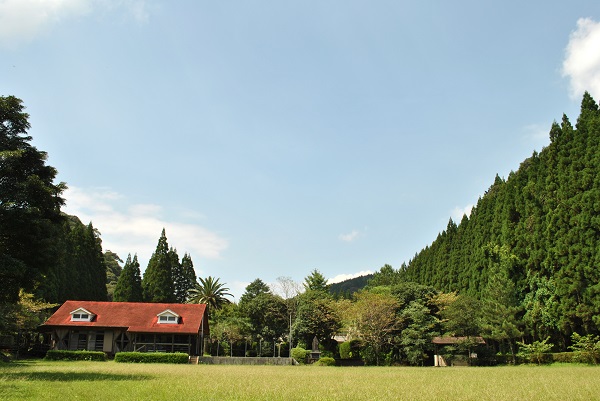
column 273, row 138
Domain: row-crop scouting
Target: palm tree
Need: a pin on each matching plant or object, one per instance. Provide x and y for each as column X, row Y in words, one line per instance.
column 209, row 292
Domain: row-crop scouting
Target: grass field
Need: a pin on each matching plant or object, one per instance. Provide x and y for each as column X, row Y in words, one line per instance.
column 66, row 381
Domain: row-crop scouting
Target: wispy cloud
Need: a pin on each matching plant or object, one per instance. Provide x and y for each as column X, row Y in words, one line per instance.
column 536, row 132
column 135, row 228
column 582, row 58
column 349, row 237
column 458, row 213
column 21, row 21
column 342, row 277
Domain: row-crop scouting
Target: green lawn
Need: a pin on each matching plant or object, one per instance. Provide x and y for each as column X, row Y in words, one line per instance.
column 66, row 381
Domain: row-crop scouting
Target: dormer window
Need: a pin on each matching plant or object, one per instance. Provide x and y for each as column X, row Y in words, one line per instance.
column 168, row 317
column 81, row 315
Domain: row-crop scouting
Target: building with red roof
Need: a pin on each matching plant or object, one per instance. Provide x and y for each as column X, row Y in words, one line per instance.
column 128, row 326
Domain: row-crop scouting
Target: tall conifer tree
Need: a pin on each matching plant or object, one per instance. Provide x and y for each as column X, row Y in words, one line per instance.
column 129, row 285
column 184, row 277
column 158, row 277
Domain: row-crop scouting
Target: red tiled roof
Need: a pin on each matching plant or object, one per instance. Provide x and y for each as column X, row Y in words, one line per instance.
column 138, row 317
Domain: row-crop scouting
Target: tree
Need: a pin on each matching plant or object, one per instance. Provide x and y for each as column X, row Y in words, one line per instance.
column 157, row 282
column 500, row 307
column 462, row 317
column 209, row 292
column 419, row 329
column 317, row 316
column 129, row 285
column 113, row 271
column 289, row 291
column 184, row 277
column 386, row 276
column 82, row 271
column 267, row 316
column 254, row 289
column 265, row 311
column 316, row 282
column 375, row 316
column 30, row 204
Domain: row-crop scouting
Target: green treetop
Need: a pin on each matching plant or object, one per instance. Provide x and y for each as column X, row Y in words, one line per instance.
column 316, row 282
column 129, row 285
column 29, row 204
column 158, row 278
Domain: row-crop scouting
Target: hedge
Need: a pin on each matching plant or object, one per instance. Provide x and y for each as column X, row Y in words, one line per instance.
column 61, row 355
column 151, row 357
column 325, row 361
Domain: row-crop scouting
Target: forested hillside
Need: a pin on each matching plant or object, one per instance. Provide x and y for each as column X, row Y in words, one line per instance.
column 534, row 237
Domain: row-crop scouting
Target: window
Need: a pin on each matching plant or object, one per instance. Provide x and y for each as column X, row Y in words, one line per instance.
column 168, row 317
column 81, row 315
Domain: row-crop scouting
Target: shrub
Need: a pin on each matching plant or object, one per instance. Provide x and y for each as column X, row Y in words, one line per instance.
column 345, row 350
column 536, row 352
column 151, row 357
column 300, row 354
column 61, row 355
column 586, row 348
column 325, row 361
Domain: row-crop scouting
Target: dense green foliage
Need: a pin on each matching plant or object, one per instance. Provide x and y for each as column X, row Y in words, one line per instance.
column 265, row 311
column 157, row 282
column 530, row 249
column 184, row 276
column 210, row 292
column 151, row 357
column 325, row 361
column 60, row 355
column 129, row 285
column 300, row 354
column 112, row 261
column 29, row 205
column 79, row 272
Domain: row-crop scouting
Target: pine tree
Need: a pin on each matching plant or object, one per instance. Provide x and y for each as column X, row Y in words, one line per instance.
column 184, row 276
column 158, row 278
column 316, row 282
column 129, row 285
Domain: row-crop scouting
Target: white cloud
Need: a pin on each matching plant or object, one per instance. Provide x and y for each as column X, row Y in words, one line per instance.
column 349, row 237
column 342, row 277
column 21, row 21
column 458, row 213
column 136, row 228
column 582, row 58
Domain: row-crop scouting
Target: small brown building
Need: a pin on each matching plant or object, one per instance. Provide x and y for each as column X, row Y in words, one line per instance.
column 438, row 360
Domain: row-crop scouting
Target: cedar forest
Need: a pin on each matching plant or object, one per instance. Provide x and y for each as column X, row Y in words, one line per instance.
column 523, row 268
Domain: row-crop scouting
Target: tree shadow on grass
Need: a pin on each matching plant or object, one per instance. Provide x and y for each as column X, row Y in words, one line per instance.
column 71, row 376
